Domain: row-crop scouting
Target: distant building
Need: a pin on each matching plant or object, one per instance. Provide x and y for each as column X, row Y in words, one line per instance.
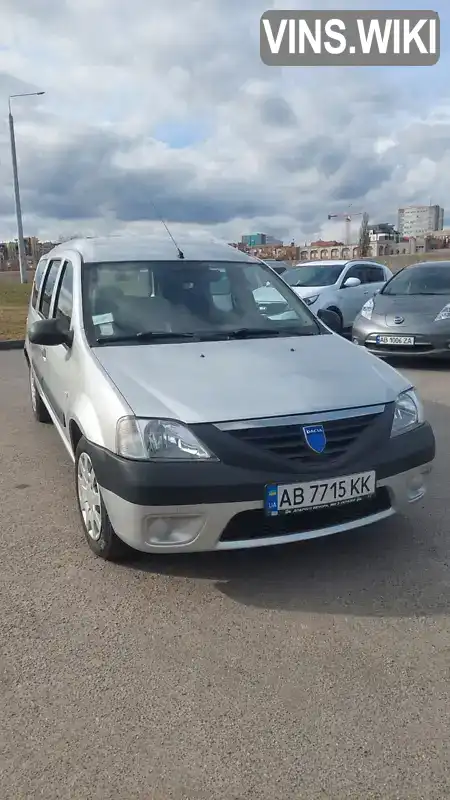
column 419, row 220
column 259, row 239
column 277, row 252
column 321, row 243
column 239, row 245
column 34, row 249
column 322, row 250
column 384, row 232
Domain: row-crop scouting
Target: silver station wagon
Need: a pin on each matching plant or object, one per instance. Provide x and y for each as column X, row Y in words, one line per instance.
column 196, row 421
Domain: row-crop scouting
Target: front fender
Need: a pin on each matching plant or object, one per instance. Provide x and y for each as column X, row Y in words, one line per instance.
column 87, row 420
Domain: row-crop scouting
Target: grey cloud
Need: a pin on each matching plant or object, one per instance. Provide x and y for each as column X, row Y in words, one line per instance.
column 430, row 141
column 359, row 177
column 276, row 111
column 39, row 8
column 327, row 121
column 80, row 180
column 321, row 151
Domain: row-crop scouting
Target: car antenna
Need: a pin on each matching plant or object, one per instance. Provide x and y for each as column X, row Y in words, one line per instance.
column 180, row 252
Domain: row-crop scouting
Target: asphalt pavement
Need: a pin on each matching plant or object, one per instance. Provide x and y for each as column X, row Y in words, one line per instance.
column 318, row 670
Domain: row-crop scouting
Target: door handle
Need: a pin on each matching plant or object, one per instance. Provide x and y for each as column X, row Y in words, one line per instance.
column 44, row 353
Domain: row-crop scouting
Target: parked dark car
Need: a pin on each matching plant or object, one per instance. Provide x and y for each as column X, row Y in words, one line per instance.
column 410, row 315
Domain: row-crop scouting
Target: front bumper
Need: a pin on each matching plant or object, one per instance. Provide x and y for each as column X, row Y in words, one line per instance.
column 233, row 526
column 430, row 345
column 207, row 507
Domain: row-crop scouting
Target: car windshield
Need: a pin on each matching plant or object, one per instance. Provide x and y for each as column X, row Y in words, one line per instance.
column 278, row 265
column 185, row 300
column 420, row 280
column 314, row 275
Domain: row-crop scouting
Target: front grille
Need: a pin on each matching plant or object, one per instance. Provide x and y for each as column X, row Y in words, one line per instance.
column 255, row 525
column 288, row 441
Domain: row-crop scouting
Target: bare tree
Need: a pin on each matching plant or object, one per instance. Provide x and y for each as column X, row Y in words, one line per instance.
column 364, row 237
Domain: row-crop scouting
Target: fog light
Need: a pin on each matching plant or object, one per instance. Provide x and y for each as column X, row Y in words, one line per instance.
column 355, row 341
column 166, row 531
column 416, row 488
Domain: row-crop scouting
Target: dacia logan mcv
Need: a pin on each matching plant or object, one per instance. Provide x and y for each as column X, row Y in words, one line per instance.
column 198, row 422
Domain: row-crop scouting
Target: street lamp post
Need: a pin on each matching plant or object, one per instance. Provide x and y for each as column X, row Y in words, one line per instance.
column 20, row 240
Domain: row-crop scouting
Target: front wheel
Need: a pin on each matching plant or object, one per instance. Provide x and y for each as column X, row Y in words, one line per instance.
column 341, row 320
column 98, row 531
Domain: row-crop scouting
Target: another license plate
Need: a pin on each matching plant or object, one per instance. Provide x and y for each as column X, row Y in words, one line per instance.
column 396, row 340
column 294, row 497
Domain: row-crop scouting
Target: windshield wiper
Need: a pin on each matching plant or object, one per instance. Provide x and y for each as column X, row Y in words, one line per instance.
column 248, row 333
column 146, row 336
column 238, row 333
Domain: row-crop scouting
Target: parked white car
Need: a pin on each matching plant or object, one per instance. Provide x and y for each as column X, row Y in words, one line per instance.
column 340, row 286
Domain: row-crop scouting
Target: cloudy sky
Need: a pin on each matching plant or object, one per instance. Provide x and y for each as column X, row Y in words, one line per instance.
column 166, row 104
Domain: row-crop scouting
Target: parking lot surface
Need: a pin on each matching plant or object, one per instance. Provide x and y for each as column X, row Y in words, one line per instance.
column 318, row 670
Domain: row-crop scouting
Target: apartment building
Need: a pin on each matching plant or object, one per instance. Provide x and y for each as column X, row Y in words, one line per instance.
column 419, row 220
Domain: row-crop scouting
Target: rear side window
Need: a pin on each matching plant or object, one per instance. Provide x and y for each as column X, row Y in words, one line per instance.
column 357, row 271
column 39, row 274
column 64, row 296
column 49, row 285
column 375, row 274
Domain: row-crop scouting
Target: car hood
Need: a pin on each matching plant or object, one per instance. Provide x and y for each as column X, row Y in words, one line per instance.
column 254, row 378
column 413, row 308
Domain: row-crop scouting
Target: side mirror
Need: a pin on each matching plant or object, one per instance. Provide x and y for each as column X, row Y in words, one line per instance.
column 50, row 332
column 330, row 319
column 351, row 283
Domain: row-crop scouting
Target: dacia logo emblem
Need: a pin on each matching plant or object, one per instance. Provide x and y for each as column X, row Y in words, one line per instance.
column 315, row 437
column 399, row 320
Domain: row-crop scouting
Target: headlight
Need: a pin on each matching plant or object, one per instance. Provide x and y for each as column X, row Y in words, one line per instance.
column 158, row 440
column 310, row 300
column 367, row 309
column 444, row 314
column 408, row 412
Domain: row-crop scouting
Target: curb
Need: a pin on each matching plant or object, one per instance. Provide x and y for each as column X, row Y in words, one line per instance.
column 12, row 344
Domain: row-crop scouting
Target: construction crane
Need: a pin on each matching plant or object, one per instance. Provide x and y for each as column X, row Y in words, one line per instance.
column 348, row 221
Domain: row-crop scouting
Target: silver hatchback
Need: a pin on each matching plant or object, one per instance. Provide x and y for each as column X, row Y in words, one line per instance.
column 198, row 421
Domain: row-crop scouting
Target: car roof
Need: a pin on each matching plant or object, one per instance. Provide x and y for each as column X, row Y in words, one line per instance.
column 332, row 262
column 436, row 263
column 343, row 262
column 156, row 247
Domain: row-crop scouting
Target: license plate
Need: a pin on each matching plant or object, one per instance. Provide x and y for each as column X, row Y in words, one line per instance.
column 292, row 498
column 397, row 340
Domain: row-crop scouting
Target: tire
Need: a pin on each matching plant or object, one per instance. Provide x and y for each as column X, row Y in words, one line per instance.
column 97, row 528
column 38, row 406
column 336, row 311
